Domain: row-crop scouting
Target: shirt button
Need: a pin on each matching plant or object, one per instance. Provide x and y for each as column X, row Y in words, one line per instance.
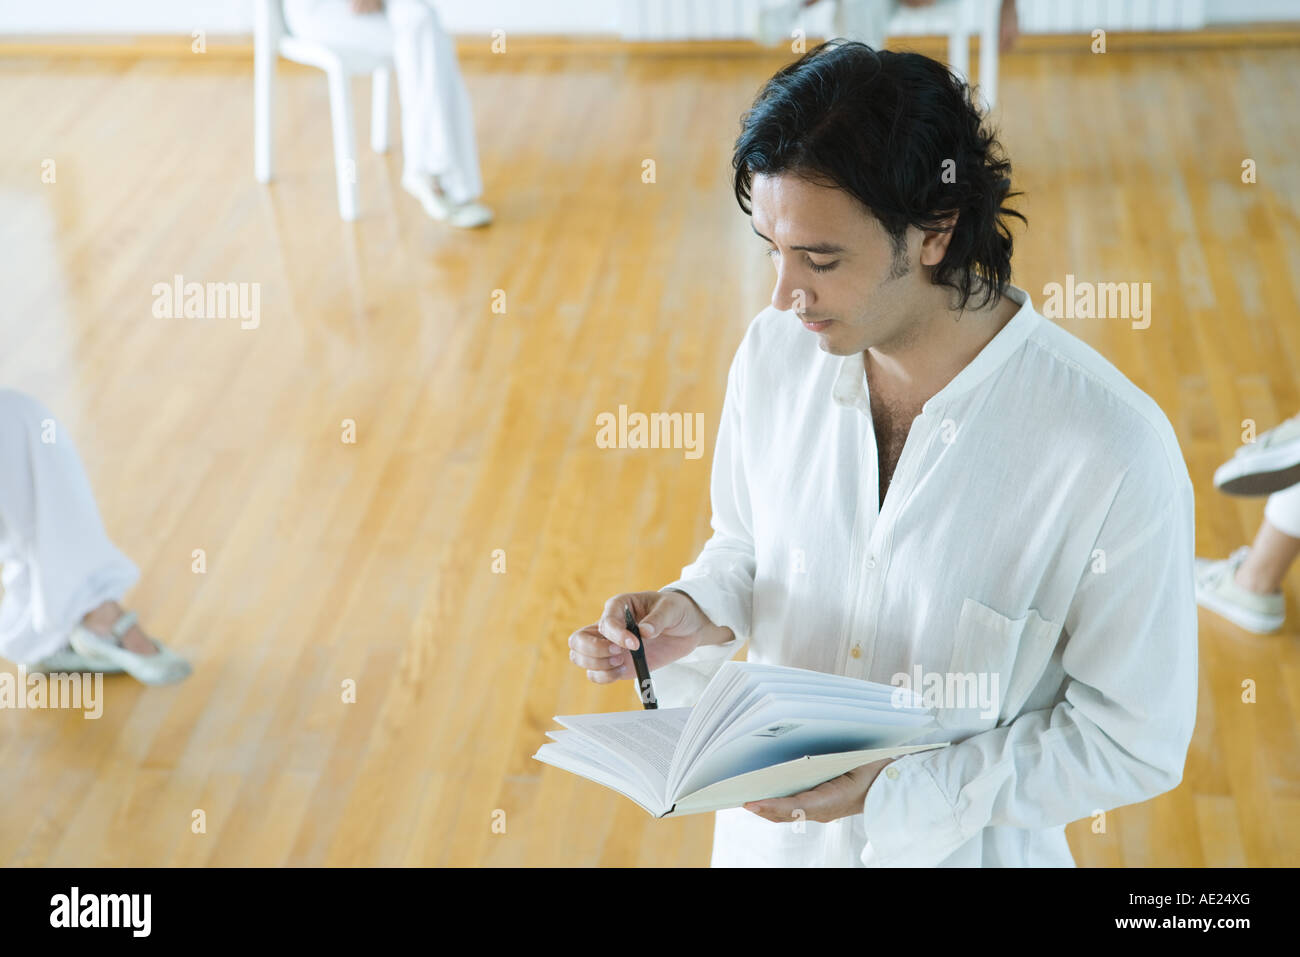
column 871, row 563
column 856, row 652
column 891, row 773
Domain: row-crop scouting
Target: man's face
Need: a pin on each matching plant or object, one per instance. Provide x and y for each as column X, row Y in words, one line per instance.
column 836, row 264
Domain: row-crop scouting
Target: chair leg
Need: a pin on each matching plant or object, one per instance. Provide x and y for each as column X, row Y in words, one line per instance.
column 379, row 110
column 345, row 146
column 263, row 103
column 990, row 36
column 959, row 52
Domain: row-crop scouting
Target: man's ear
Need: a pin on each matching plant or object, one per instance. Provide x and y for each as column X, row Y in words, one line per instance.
column 934, row 243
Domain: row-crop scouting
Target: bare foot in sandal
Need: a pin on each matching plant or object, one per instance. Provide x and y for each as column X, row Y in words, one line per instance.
column 101, row 621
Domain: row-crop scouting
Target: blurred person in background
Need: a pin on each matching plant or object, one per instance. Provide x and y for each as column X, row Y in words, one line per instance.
column 1246, row 587
column 439, row 151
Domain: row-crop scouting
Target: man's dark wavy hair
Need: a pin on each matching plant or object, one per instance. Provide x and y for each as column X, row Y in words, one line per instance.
column 880, row 124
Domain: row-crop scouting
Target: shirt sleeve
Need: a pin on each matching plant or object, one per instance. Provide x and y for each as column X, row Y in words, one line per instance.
column 1119, row 736
column 721, row 579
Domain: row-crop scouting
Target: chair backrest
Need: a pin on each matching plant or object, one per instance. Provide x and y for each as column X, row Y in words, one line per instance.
column 271, row 37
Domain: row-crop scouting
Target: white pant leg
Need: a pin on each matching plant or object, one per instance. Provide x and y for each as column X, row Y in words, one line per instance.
column 1283, row 510
column 58, row 561
column 440, row 137
column 866, row 21
column 438, row 134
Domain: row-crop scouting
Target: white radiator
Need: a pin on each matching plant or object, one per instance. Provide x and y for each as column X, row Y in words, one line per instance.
column 733, row 19
column 1084, row 16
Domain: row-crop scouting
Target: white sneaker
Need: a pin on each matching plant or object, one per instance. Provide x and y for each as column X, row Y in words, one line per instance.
column 1218, row 591
column 1267, row 465
column 467, row 215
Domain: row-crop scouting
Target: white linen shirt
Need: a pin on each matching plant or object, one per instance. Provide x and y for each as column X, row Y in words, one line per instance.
column 1039, row 529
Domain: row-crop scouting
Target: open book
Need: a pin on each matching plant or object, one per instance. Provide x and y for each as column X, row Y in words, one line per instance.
column 758, row 731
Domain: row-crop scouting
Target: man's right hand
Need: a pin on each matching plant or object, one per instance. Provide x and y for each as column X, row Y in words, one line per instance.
column 671, row 623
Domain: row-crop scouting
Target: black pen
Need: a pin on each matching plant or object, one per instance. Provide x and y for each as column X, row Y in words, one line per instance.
column 647, row 690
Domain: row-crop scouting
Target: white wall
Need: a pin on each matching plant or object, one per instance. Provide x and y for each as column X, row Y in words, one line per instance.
column 482, row 16
column 236, row 16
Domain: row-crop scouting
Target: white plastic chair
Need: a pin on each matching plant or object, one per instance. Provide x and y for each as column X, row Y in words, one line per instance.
column 271, row 38
column 957, row 19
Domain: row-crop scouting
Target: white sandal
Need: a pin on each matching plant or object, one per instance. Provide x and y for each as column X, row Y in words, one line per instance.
column 160, row 668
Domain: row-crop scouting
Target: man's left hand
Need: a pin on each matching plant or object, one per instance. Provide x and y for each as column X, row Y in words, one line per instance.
column 839, row 797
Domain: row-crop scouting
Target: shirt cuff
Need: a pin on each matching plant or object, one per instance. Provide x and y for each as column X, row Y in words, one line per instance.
column 908, row 819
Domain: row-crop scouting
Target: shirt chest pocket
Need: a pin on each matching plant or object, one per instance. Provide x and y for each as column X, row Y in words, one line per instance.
column 996, row 662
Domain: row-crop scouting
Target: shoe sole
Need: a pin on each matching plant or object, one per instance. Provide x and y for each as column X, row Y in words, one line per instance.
column 1269, row 473
column 1256, row 622
column 469, row 223
column 102, row 668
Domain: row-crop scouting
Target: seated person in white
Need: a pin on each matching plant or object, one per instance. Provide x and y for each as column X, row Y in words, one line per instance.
column 62, row 576
column 1246, row 587
column 440, row 157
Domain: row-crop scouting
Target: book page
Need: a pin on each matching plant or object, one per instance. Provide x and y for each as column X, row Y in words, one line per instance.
column 572, row 743
column 791, row 735
column 647, row 740
column 782, row 780
column 729, row 682
column 740, row 685
column 563, row 756
column 780, row 702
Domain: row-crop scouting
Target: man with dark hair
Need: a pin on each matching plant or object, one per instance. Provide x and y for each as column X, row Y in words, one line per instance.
column 920, row 480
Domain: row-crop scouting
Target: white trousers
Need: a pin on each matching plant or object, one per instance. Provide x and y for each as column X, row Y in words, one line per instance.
column 866, row 21
column 58, row 562
column 1283, row 511
column 437, row 122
